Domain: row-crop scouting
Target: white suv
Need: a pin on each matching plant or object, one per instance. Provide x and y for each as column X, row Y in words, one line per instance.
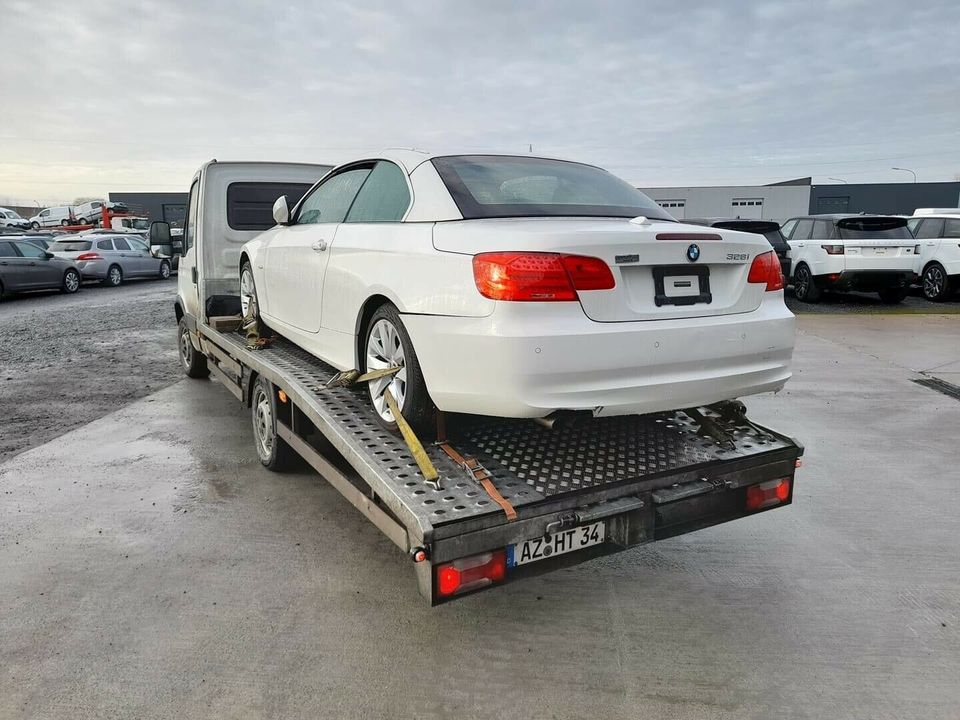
column 937, row 259
column 870, row 253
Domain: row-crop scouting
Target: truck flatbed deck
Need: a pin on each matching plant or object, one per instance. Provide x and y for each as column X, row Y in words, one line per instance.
column 642, row 477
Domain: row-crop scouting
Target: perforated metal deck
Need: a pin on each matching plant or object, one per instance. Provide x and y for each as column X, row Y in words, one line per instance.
column 528, row 462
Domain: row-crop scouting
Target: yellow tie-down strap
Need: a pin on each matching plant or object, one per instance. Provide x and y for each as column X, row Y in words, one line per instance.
column 426, row 466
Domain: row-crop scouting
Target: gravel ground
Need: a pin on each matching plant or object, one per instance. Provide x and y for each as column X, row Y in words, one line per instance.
column 68, row 359
column 867, row 303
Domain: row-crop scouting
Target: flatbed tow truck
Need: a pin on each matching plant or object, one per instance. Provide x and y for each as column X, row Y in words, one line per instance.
column 516, row 497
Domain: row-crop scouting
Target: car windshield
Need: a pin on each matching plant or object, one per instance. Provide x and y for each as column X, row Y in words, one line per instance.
column 70, row 246
column 487, row 186
column 878, row 228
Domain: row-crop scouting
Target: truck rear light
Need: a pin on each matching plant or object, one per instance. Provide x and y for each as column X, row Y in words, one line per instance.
column 470, row 573
column 833, row 249
column 89, row 256
column 766, row 269
column 768, row 494
column 538, row 277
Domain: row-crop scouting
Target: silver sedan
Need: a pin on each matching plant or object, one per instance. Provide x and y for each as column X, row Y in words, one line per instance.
column 112, row 258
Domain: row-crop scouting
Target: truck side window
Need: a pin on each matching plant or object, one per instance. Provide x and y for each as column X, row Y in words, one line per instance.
column 189, row 231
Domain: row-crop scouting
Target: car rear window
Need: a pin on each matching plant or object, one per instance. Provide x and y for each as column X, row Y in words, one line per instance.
column 487, row 186
column 874, row 227
column 250, row 204
column 70, row 246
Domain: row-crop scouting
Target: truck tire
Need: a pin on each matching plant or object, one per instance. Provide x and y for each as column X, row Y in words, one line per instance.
column 804, row 285
column 193, row 363
column 385, row 340
column 274, row 453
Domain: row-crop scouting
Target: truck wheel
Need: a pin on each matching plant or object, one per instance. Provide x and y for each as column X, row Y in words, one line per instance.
column 164, row 270
column 387, row 344
column 274, row 453
column 804, row 285
column 892, row 296
column 71, row 281
column 935, row 283
column 193, row 363
column 114, row 276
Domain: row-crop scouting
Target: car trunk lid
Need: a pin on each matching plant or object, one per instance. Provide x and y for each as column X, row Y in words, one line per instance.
column 663, row 270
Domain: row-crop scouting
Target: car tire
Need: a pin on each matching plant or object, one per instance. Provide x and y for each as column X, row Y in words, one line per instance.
column 71, row 281
column 64, row 222
column 35, row 225
column 248, row 298
column 386, row 341
column 935, row 283
column 893, row 295
column 194, row 364
column 805, row 286
column 114, row 276
column 273, row 452
column 164, row 270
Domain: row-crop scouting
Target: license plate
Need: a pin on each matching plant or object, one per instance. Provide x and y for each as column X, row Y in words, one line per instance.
column 558, row 543
column 681, row 285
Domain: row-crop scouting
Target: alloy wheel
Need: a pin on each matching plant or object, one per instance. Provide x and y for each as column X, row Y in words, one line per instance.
column 385, row 350
column 934, row 282
column 114, row 275
column 801, row 283
column 165, row 270
column 71, row 282
column 248, row 292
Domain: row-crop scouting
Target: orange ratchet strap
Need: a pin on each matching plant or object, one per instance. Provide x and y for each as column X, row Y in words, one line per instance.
column 480, row 474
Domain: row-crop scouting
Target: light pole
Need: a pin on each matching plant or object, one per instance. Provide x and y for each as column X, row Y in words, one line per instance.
column 907, row 170
column 838, row 180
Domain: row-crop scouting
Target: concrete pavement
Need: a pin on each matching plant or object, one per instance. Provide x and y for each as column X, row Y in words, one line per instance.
column 151, row 568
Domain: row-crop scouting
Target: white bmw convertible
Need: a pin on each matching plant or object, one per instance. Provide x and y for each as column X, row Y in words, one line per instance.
column 517, row 286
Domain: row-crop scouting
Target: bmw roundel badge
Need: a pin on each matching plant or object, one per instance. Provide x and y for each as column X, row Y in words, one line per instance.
column 693, row 252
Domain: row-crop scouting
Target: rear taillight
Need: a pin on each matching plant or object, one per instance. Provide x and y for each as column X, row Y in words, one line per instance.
column 89, row 256
column 768, row 494
column 766, row 269
column 470, row 573
column 542, row 277
column 833, row 249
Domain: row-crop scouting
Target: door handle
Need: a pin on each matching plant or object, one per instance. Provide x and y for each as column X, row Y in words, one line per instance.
column 319, row 246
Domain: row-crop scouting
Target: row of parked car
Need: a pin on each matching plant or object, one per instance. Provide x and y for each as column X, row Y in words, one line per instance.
column 88, row 213
column 47, row 261
column 868, row 253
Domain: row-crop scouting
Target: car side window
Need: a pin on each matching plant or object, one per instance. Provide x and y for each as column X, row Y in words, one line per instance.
column 384, row 196
column 44, row 213
column 137, row 245
column 29, row 250
column 822, row 229
column 802, row 231
column 952, row 229
column 787, row 228
column 120, row 243
column 105, row 245
column 190, row 229
column 330, row 201
column 929, row 228
column 6, row 249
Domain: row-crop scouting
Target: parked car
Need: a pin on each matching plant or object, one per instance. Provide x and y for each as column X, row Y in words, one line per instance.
column 24, row 266
column 11, row 231
column 52, row 216
column 869, row 253
column 937, row 252
column 517, row 286
column 41, row 240
column 11, row 218
column 768, row 228
column 111, row 258
column 91, row 213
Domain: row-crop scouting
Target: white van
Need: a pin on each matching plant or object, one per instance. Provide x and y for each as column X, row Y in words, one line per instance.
column 52, row 216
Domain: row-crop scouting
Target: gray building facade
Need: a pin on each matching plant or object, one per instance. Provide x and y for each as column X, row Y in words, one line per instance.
column 883, row 198
column 171, row 207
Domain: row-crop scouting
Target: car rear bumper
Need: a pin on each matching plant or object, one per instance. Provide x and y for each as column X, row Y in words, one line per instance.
column 93, row 269
column 530, row 359
column 866, row 280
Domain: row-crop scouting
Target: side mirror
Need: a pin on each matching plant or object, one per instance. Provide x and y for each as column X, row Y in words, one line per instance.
column 281, row 212
column 49, row 255
column 159, row 233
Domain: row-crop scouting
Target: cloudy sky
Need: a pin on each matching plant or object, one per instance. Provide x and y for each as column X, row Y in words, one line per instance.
column 112, row 95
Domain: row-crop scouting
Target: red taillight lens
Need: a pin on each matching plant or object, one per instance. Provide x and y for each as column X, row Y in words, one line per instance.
column 766, row 269
column 833, row 249
column 538, row 277
column 768, row 494
column 471, row 573
column 89, row 256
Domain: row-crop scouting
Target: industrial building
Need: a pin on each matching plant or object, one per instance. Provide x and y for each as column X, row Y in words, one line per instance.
column 168, row 206
column 781, row 201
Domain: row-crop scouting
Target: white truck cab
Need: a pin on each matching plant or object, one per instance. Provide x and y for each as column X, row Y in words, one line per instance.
column 870, row 253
